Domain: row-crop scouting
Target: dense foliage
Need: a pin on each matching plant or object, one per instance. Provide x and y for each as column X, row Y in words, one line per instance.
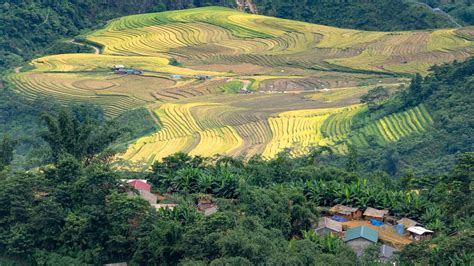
column 73, row 213
column 21, row 123
column 462, row 10
column 447, row 95
column 385, row 15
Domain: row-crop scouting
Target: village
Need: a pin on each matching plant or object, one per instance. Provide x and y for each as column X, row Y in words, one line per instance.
column 357, row 228
column 361, row 229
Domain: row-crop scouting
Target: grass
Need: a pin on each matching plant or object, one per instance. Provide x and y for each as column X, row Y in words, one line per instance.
column 233, row 86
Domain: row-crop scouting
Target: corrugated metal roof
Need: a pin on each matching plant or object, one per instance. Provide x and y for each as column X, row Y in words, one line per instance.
column 345, row 210
column 375, row 212
column 387, row 251
column 326, row 222
column 407, row 222
column 362, row 232
column 419, row 230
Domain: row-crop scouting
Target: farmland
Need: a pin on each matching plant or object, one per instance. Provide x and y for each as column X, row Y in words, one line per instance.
column 224, row 82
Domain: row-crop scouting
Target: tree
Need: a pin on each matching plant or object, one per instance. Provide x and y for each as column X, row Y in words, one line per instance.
column 77, row 134
column 7, row 147
column 375, row 98
column 352, row 164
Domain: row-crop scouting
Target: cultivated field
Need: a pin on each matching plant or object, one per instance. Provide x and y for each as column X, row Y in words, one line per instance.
column 225, row 82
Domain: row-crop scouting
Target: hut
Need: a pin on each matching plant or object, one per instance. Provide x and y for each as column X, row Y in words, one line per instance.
column 207, row 206
column 327, row 225
column 386, row 252
column 407, row 223
column 418, row 233
column 375, row 214
column 348, row 213
column 361, row 237
column 165, row 206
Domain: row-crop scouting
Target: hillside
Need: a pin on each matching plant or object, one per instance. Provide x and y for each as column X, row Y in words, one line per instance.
column 284, row 66
column 32, row 28
column 446, row 95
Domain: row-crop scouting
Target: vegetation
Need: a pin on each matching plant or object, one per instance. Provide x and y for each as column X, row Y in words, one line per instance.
column 388, row 15
column 77, row 212
column 443, row 95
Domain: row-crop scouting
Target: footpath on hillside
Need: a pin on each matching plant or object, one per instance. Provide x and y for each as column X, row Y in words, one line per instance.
column 96, row 49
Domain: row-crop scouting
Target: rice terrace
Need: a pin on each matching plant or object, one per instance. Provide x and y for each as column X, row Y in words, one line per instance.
column 219, row 81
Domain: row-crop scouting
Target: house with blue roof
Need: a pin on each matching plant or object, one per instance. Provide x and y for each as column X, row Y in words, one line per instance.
column 361, row 237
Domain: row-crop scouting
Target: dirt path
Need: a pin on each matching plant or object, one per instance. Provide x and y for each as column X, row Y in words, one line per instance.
column 439, row 10
column 96, row 49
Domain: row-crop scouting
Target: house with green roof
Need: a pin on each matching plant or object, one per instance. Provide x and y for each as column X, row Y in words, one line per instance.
column 361, row 237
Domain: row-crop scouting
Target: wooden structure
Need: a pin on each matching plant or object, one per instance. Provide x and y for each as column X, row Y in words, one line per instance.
column 327, row 225
column 346, row 212
column 207, row 206
column 407, row 223
column 418, row 233
column 375, row 214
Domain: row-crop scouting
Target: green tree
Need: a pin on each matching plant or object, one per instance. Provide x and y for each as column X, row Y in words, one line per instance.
column 375, row 98
column 7, row 146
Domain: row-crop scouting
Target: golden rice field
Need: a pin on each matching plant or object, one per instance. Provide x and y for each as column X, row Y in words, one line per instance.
column 325, row 69
column 209, row 129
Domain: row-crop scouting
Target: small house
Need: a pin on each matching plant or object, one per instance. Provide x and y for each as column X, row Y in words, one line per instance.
column 143, row 190
column 361, row 237
column 375, row 214
column 327, row 225
column 207, row 206
column 418, row 233
column 386, row 251
column 407, row 223
column 139, row 184
column 204, row 77
column 117, row 67
column 347, row 212
column 164, row 206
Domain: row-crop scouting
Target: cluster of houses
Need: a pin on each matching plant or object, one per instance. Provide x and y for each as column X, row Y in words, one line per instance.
column 141, row 188
column 361, row 237
column 122, row 70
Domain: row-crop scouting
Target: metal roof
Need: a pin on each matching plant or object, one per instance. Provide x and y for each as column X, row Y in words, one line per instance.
column 345, row 210
column 326, row 222
column 375, row 212
column 387, row 251
column 419, row 230
column 362, row 232
column 407, row 222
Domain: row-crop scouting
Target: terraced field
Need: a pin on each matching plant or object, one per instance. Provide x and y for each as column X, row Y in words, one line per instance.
column 221, row 81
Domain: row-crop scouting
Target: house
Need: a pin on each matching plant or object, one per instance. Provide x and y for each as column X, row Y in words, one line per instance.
column 420, row 233
column 347, row 212
column 375, row 214
column 361, row 237
column 327, row 225
column 407, row 223
column 164, row 206
column 206, row 206
column 204, row 77
column 117, row 67
column 146, row 195
column 143, row 190
column 139, row 184
column 386, row 252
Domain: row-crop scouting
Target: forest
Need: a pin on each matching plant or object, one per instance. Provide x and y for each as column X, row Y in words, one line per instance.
column 75, row 210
